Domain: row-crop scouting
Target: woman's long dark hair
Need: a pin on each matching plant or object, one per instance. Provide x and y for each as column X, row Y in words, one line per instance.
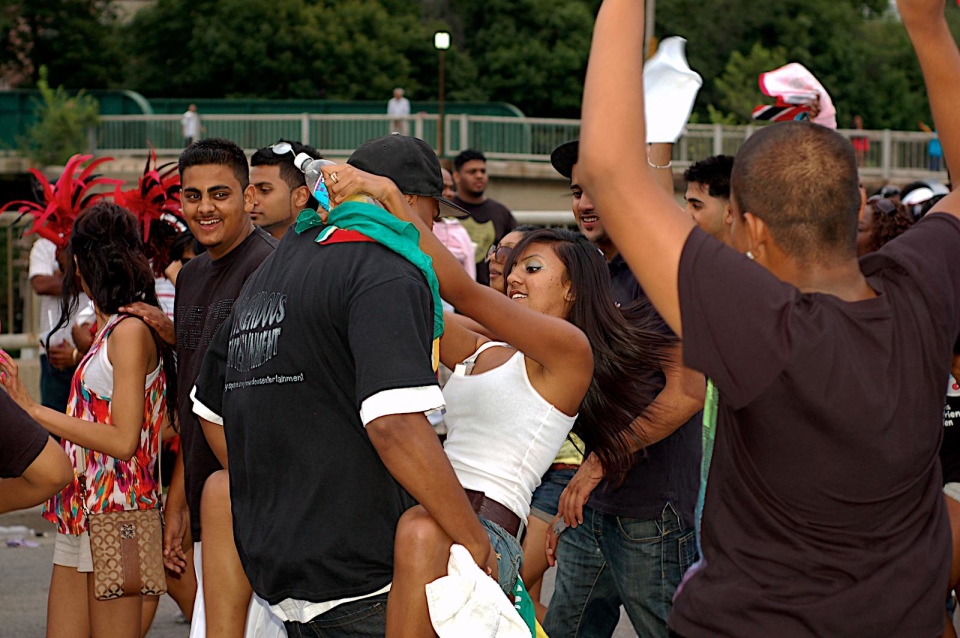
column 629, row 349
column 109, row 256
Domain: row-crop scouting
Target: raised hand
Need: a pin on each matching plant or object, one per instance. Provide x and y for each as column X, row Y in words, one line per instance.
column 11, row 382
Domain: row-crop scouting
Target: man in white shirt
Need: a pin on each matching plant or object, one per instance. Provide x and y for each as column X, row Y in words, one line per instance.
column 399, row 107
column 59, row 360
column 190, row 123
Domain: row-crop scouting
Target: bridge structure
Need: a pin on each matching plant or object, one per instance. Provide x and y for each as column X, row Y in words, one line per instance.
column 517, row 148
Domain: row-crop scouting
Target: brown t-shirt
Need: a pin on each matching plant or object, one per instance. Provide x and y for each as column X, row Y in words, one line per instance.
column 21, row 438
column 824, row 514
column 487, row 224
column 206, row 290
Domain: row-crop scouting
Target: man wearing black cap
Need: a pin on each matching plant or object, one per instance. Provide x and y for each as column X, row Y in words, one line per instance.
column 321, row 377
column 601, row 564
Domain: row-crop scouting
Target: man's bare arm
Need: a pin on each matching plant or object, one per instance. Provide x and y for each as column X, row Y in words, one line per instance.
column 412, row 453
column 615, row 170
column 940, row 63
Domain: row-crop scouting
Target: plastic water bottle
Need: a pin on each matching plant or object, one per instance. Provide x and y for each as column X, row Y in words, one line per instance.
column 314, row 178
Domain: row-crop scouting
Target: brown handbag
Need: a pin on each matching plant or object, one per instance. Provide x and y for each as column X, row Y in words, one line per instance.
column 127, row 548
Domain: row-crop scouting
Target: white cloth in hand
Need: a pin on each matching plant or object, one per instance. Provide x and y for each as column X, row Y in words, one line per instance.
column 467, row 602
column 670, row 88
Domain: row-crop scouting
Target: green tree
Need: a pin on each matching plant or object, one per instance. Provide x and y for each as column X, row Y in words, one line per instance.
column 63, row 123
column 532, row 53
column 75, row 40
column 287, row 49
column 737, row 89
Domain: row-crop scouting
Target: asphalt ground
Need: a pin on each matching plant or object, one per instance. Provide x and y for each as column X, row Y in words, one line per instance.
column 25, row 579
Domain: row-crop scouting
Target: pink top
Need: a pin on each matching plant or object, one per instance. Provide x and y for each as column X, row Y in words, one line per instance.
column 456, row 239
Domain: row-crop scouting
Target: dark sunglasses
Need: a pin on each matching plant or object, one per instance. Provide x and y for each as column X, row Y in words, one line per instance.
column 499, row 254
column 883, row 205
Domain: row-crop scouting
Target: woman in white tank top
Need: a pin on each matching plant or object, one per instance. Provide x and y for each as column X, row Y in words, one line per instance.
column 511, row 404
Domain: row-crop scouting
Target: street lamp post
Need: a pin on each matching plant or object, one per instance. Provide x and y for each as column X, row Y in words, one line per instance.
column 441, row 42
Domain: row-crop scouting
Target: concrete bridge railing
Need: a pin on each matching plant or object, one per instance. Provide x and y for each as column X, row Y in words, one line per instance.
column 887, row 154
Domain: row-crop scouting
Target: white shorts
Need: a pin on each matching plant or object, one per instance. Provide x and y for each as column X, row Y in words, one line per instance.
column 261, row 622
column 952, row 490
column 72, row 550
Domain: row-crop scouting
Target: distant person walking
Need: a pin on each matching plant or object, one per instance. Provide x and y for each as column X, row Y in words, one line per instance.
column 190, row 123
column 399, row 108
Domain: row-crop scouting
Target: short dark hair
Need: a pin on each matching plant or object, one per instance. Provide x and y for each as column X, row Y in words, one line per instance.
column 290, row 174
column 467, row 156
column 219, row 152
column 714, row 173
column 801, row 179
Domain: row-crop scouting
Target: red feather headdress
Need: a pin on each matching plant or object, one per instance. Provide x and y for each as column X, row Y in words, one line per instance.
column 53, row 217
column 156, row 197
column 155, row 202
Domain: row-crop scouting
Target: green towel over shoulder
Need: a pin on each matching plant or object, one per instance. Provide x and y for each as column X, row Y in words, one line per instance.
column 379, row 225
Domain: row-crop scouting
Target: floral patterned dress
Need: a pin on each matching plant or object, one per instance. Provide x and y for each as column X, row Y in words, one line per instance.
column 112, row 485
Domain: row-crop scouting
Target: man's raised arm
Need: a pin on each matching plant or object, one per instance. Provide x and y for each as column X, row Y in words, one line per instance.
column 614, row 162
column 940, row 62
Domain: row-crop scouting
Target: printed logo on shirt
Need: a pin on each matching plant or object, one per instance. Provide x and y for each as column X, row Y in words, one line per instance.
column 256, row 330
column 951, row 409
column 483, row 235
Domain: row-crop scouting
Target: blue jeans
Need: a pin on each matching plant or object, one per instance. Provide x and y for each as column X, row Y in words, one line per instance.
column 509, row 555
column 54, row 385
column 611, row 561
column 366, row 618
column 546, row 498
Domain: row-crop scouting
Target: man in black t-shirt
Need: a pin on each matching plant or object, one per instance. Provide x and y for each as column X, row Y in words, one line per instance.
column 598, row 560
column 217, row 199
column 320, row 378
column 33, row 467
column 489, row 220
column 823, row 513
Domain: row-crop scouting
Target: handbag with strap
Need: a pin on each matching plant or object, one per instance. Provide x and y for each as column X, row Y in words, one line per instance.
column 126, row 546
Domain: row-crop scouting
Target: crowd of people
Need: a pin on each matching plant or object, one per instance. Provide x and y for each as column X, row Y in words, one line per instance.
column 725, row 418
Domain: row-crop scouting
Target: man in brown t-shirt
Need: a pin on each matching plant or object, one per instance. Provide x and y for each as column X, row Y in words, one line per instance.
column 823, row 512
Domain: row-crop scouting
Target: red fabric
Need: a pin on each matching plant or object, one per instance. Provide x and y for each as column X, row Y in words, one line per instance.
column 341, row 236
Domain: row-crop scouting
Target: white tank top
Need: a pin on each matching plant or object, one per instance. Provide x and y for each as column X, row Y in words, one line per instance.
column 502, row 435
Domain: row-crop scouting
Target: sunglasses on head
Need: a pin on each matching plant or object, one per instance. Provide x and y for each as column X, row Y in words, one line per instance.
column 499, row 254
column 883, row 205
column 282, row 148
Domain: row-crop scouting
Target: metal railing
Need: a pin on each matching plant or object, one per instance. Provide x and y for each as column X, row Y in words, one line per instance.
column 885, row 154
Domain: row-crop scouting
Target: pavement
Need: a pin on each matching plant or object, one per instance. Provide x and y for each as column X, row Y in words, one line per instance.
column 25, row 579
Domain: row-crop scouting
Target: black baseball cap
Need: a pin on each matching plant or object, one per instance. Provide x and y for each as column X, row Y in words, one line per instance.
column 565, row 156
column 410, row 163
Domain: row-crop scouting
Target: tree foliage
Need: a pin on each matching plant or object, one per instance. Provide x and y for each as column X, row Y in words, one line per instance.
column 531, row 53
column 76, row 40
column 63, row 122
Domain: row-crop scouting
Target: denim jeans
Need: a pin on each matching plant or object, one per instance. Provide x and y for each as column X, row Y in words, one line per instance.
column 54, row 385
column 365, row 618
column 509, row 555
column 546, row 498
column 611, row 561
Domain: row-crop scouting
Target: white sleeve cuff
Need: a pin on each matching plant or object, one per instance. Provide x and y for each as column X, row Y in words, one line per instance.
column 203, row 411
column 399, row 401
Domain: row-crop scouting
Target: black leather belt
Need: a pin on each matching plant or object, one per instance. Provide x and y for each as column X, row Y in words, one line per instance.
column 495, row 512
